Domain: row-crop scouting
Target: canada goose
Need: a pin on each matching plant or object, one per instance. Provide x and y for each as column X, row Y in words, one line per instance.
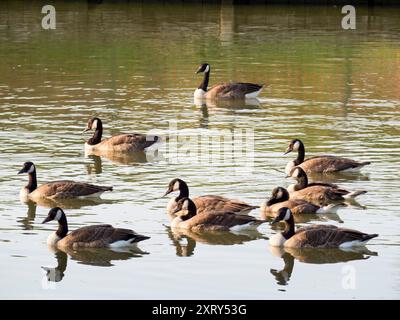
column 207, row 203
column 120, row 143
column 56, row 190
column 97, row 236
column 187, row 218
column 318, row 193
column 315, row 236
column 320, row 164
column 280, row 198
column 233, row 90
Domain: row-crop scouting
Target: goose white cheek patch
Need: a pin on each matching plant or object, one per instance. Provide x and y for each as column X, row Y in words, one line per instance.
column 287, row 215
column 31, row 169
column 94, row 124
column 176, row 186
column 279, row 194
column 58, row 215
column 296, row 146
column 207, row 69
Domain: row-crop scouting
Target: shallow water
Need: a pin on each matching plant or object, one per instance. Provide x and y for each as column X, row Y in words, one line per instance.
column 133, row 65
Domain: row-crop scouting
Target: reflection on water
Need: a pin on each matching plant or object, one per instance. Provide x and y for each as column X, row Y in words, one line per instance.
column 75, row 203
column 100, row 257
column 185, row 240
column 313, row 256
column 27, row 221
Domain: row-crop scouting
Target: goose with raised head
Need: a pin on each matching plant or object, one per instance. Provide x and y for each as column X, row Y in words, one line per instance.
column 315, row 236
column 56, row 190
column 318, row 193
column 206, row 203
column 230, row 90
column 280, row 198
column 132, row 142
column 187, row 218
column 320, row 164
column 96, row 236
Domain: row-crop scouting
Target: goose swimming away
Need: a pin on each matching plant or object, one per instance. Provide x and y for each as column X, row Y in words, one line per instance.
column 56, row 190
column 187, row 218
column 315, row 236
column 96, row 236
column 232, row 90
column 320, row 164
column 132, row 142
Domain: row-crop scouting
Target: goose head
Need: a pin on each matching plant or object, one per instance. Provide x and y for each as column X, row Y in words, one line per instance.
column 28, row 167
column 203, row 68
column 185, row 207
column 284, row 214
column 279, row 194
column 54, row 214
column 175, row 185
column 93, row 124
column 293, row 146
column 297, row 173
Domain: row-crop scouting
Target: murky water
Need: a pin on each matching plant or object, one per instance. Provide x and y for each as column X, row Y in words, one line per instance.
column 133, row 65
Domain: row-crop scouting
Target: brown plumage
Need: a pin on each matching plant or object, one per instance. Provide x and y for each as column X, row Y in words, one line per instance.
column 210, row 222
column 207, row 203
column 232, row 90
column 280, row 199
column 316, row 236
column 121, row 143
column 56, row 190
column 318, row 193
column 320, row 164
column 97, row 236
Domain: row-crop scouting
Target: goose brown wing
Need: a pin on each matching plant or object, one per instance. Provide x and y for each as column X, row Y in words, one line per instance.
column 318, row 195
column 329, row 163
column 326, row 236
column 211, row 203
column 233, row 89
column 136, row 141
column 69, row 189
column 221, row 221
column 98, row 236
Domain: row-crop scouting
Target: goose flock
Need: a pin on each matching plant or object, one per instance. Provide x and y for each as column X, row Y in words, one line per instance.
column 210, row 213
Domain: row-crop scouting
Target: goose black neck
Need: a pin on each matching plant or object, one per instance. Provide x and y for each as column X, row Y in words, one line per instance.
column 183, row 191
column 96, row 138
column 300, row 154
column 32, row 184
column 204, row 83
column 62, row 227
column 289, row 228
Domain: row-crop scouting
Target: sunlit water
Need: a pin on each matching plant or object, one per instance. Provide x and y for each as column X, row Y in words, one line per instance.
column 133, row 65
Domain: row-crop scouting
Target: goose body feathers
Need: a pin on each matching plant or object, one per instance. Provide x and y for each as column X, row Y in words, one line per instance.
column 316, row 236
column 187, row 218
column 320, row 164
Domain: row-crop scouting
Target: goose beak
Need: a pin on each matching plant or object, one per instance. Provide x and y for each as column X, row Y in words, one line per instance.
column 46, row 220
column 167, row 193
column 87, row 129
column 288, row 150
column 176, row 210
column 287, row 176
column 276, row 220
column 21, row 171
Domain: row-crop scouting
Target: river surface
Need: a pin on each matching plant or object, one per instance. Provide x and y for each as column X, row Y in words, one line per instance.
column 133, row 65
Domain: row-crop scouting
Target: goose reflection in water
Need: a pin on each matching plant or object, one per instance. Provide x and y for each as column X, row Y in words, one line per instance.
column 185, row 240
column 313, row 256
column 66, row 203
column 100, row 257
column 229, row 104
column 28, row 221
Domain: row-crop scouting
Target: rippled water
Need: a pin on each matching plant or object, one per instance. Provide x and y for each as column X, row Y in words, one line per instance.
column 133, row 65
